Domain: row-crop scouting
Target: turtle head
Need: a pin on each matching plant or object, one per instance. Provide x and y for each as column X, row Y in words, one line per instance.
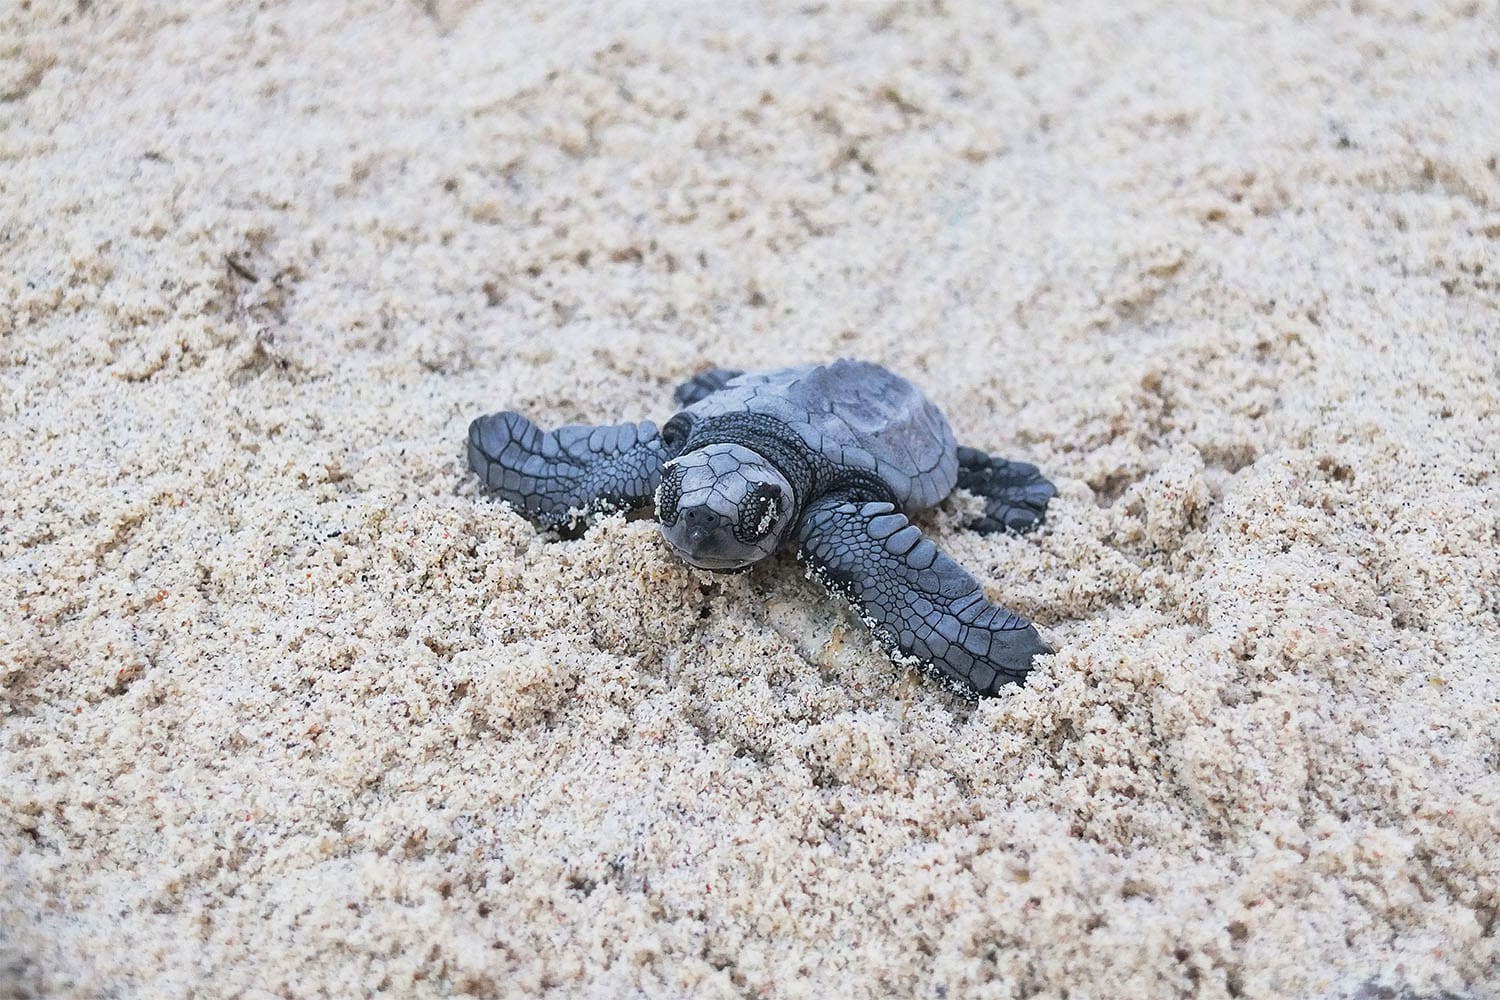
column 722, row 506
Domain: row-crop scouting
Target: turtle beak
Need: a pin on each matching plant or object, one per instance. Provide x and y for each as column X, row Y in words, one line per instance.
column 696, row 545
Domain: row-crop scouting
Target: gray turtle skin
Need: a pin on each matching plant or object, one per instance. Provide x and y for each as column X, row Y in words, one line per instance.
column 835, row 458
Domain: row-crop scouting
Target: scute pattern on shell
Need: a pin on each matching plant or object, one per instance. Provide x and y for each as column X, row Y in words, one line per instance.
column 857, row 416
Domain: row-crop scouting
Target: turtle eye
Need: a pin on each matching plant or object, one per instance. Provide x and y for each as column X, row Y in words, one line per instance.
column 758, row 512
column 675, row 433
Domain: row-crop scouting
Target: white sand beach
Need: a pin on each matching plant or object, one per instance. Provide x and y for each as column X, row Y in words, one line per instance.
column 289, row 708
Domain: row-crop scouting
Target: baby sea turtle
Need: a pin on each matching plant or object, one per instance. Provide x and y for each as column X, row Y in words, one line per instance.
column 832, row 456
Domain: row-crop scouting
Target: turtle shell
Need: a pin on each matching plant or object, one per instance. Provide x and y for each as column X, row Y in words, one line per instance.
column 859, row 416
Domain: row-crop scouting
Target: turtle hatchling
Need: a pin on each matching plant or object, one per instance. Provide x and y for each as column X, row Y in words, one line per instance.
column 833, row 457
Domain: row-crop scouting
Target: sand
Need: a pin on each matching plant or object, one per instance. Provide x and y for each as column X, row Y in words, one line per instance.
column 290, row 709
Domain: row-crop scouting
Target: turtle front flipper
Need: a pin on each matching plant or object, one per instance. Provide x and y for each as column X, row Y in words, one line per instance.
column 703, row 385
column 1015, row 494
column 557, row 477
column 922, row 604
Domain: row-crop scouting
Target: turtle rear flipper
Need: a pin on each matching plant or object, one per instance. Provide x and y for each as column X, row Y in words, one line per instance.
column 703, row 385
column 921, row 603
column 1015, row 494
column 557, row 477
